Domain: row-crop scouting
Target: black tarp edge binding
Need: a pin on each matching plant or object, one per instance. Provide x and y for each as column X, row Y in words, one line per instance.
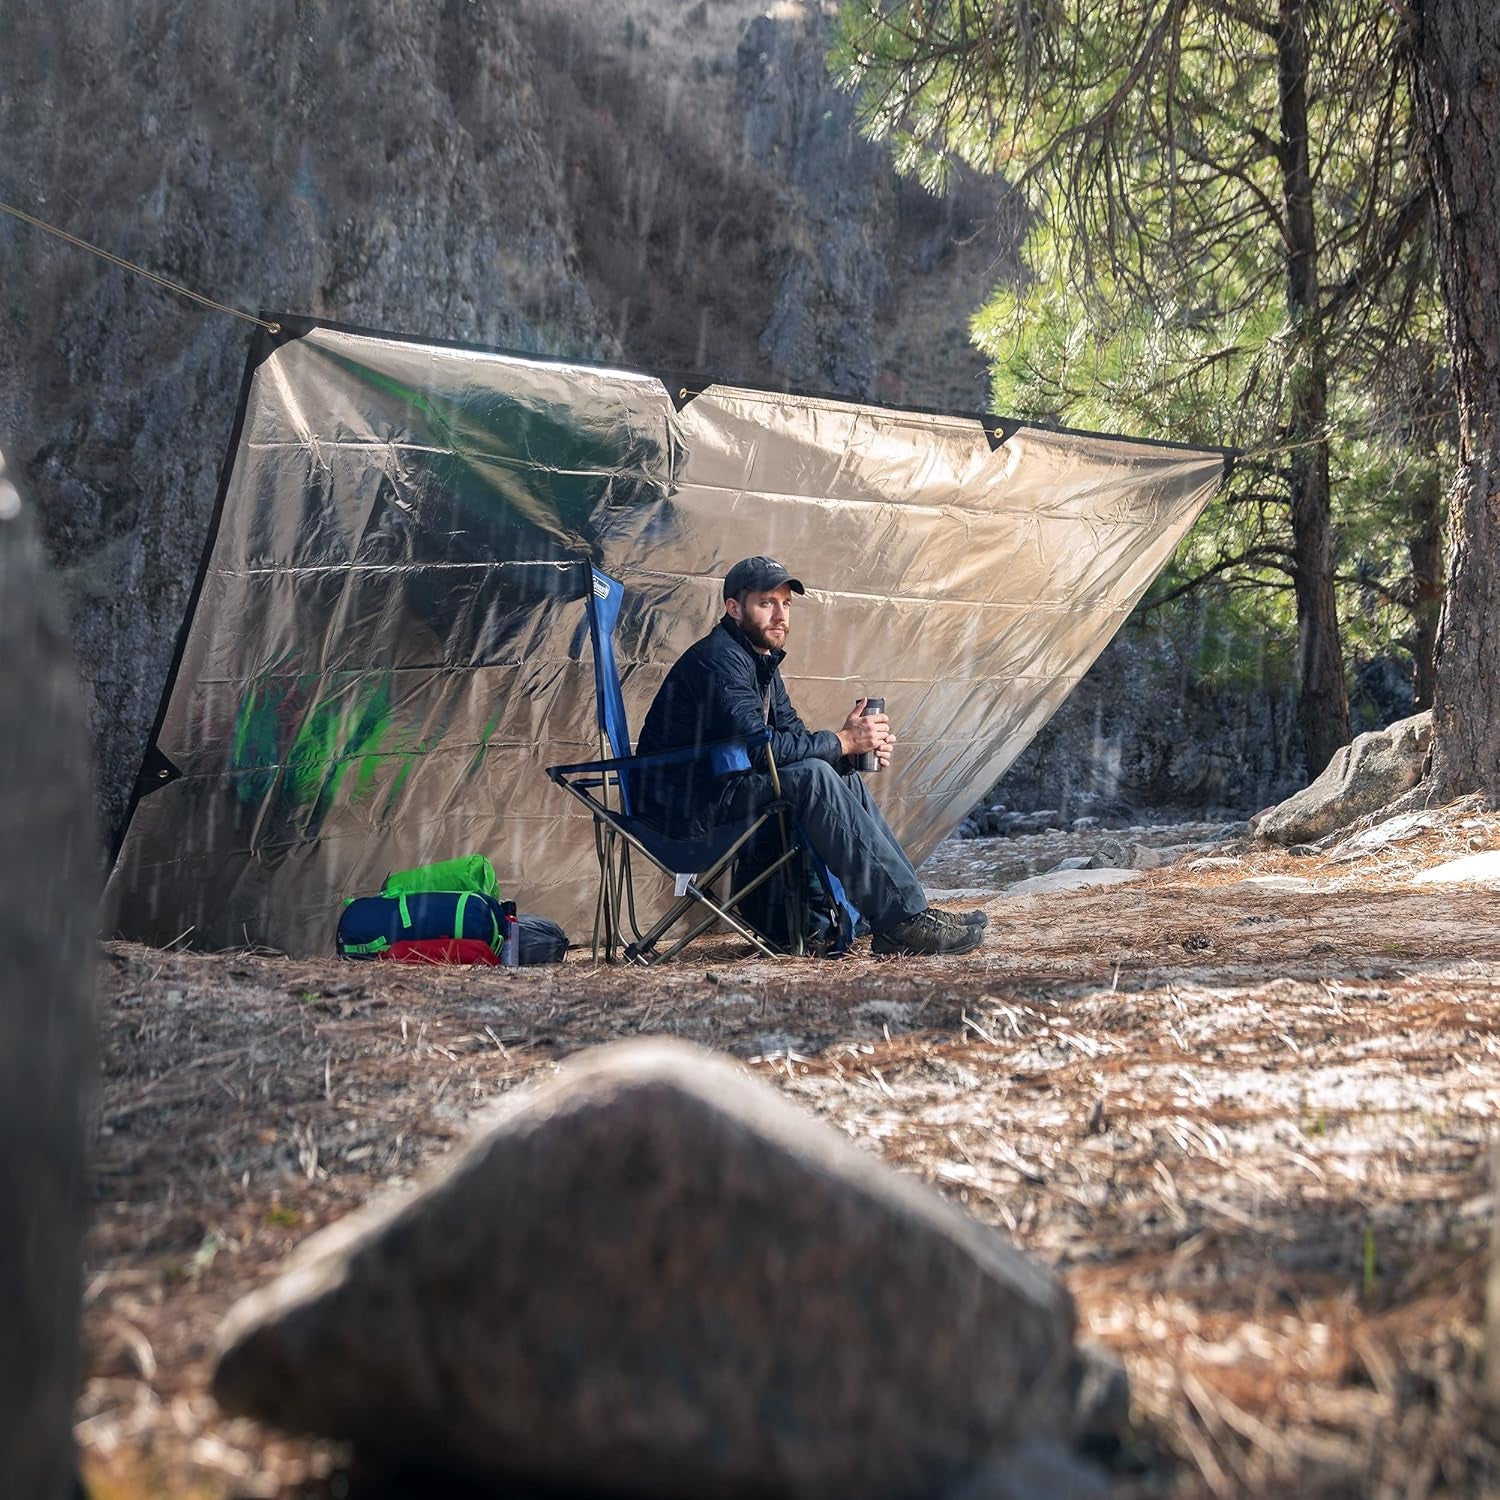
column 153, row 758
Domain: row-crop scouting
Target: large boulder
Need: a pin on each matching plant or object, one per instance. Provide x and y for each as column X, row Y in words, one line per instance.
column 656, row 1276
column 48, row 886
column 1363, row 777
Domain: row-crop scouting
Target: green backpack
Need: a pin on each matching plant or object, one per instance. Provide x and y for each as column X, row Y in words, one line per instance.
column 470, row 872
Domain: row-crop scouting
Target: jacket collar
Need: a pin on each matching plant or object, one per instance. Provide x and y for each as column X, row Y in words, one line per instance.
column 765, row 663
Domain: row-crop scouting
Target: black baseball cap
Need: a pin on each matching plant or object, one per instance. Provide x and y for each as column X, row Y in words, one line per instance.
column 758, row 575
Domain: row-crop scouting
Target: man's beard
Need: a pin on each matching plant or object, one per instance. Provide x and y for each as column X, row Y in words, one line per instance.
column 758, row 637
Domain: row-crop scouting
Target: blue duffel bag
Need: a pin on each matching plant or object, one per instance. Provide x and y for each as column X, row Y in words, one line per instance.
column 370, row 924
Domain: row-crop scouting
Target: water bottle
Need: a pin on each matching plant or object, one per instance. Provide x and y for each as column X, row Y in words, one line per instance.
column 865, row 761
column 510, row 952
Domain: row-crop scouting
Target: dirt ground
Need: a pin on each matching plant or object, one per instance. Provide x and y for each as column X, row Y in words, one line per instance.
column 1250, row 1125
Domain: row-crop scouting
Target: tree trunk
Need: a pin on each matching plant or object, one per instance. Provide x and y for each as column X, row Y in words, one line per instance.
column 1322, row 698
column 1457, row 85
column 1425, row 549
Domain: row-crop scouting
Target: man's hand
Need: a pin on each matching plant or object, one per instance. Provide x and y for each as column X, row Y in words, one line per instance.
column 863, row 732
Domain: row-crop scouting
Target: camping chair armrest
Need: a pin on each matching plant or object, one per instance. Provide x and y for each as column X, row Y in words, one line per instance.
column 680, row 757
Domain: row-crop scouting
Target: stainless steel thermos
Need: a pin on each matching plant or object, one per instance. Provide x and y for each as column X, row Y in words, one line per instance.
column 866, row 760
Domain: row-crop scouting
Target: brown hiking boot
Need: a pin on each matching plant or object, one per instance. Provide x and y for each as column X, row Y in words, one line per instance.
column 978, row 920
column 929, row 932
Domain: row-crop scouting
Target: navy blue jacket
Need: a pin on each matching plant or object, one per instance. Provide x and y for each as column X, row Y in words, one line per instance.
column 716, row 690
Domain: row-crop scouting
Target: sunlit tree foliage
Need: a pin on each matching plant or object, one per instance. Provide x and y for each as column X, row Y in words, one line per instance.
column 1229, row 245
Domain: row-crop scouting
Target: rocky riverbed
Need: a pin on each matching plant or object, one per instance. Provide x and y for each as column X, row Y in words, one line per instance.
column 975, row 867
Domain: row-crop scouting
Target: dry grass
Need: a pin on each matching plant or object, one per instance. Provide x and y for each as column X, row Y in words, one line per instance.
column 1250, row 1126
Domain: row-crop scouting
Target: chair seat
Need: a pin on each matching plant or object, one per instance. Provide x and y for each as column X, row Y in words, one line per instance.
column 689, row 854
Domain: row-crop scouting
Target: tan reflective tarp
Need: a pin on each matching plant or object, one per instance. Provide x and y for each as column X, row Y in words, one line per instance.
column 389, row 641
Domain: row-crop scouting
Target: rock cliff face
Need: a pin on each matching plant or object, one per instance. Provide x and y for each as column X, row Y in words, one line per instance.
column 377, row 161
column 873, row 279
column 828, row 274
column 1142, row 729
column 672, row 184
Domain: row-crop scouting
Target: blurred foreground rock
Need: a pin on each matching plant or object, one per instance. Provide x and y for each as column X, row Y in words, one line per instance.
column 1034, row 1471
column 1362, row 778
column 48, row 887
column 656, row 1276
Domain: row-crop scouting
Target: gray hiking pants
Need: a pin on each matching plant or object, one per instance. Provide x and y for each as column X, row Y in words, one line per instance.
column 845, row 826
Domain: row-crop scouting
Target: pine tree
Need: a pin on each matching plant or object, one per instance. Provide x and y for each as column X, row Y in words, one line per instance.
column 1230, row 193
column 1455, row 48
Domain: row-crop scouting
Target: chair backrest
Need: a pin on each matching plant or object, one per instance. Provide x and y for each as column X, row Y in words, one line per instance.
column 606, row 595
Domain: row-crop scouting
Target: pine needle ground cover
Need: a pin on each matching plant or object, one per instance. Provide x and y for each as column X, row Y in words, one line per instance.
column 1249, row 1120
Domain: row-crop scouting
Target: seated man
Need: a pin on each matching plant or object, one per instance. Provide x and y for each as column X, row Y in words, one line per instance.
column 729, row 684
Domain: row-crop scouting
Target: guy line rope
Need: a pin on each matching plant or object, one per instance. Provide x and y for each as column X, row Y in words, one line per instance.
column 1259, row 451
column 171, row 286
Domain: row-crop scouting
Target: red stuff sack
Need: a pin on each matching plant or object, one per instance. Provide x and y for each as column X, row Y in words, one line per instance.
column 443, row 950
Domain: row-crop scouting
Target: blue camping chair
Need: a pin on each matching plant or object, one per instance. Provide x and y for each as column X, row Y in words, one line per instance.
column 696, row 864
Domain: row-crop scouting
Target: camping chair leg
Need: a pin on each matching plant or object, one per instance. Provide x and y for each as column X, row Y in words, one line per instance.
column 615, row 891
column 615, row 903
column 601, row 900
column 635, row 921
column 698, row 893
column 726, row 913
column 796, row 910
column 644, row 953
column 613, row 843
column 619, row 875
column 796, row 902
column 701, row 885
column 606, row 905
column 715, row 913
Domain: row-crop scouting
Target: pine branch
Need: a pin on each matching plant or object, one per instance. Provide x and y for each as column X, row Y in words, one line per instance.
column 1251, row 18
column 1372, row 272
column 1399, row 596
column 1265, row 555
